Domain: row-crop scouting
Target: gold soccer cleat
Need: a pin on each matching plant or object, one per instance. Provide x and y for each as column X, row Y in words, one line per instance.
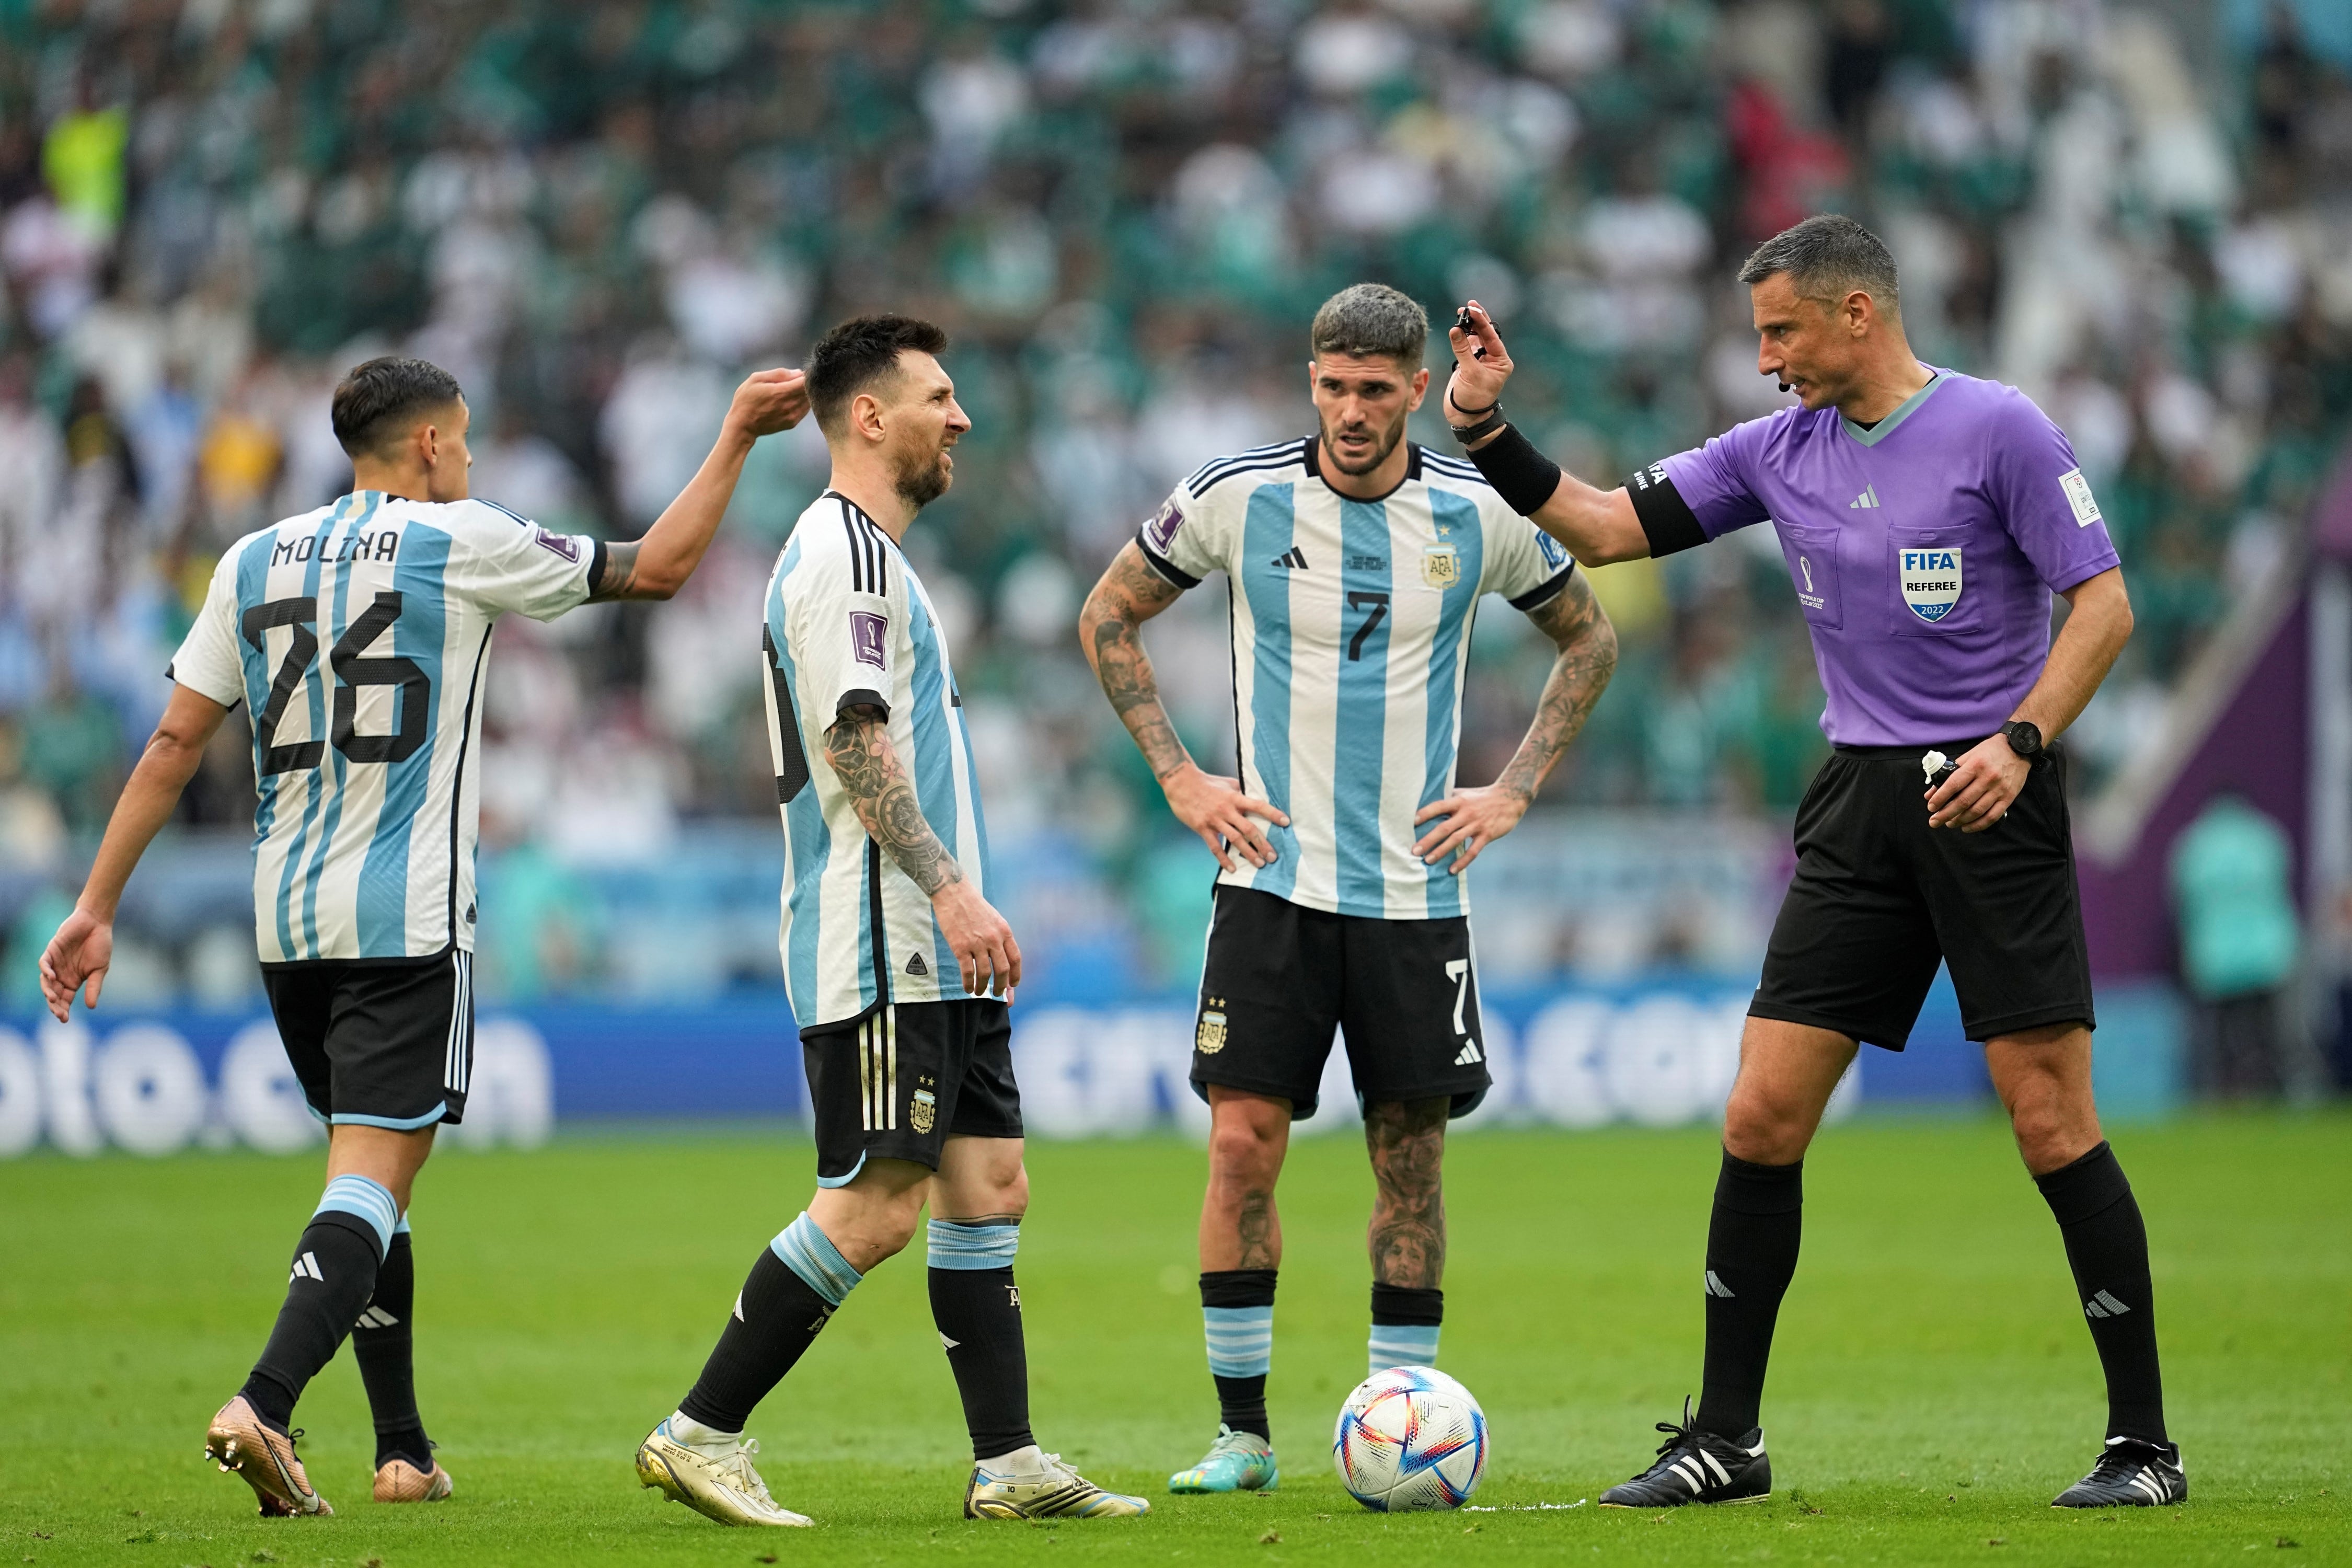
column 728, row 1491
column 397, row 1480
column 263, row 1460
column 1054, row 1491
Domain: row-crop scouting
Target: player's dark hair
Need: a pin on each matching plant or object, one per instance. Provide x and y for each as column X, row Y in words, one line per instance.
column 859, row 352
column 375, row 401
column 1827, row 256
column 1367, row 319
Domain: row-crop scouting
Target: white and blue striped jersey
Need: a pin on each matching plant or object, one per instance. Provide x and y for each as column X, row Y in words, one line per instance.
column 848, row 624
column 1351, row 621
column 356, row 636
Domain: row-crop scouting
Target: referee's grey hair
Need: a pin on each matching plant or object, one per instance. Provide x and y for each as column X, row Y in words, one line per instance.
column 1827, row 256
column 1366, row 320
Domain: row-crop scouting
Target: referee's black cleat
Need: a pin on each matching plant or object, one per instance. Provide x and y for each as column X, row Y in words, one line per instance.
column 1694, row 1465
column 2130, row 1474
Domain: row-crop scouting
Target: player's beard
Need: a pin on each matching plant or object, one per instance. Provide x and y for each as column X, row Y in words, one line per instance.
column 924, row 478
column 1385, row 444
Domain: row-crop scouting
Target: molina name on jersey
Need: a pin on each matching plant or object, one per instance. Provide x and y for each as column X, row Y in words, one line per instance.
column 849, row 625
column 356, row 636
column 1351, row 620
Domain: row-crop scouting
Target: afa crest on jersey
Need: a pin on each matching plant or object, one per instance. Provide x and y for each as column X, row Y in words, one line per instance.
column 1931, row 581
column 1441, row 565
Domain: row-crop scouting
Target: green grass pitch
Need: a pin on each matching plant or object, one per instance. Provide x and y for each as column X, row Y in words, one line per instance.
column 1933, row 1388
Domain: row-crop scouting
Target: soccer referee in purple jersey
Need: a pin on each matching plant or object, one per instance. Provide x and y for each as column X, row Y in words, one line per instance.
column 1926, row 517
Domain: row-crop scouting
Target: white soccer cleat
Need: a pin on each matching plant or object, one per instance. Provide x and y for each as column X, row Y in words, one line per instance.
column 727, row 1489
column 1050, row 1490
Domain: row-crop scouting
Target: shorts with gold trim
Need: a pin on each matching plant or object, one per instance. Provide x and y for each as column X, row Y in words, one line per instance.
column 898, row 1081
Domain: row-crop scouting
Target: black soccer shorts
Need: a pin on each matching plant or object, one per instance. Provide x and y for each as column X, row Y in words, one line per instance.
column 897, row 1082
column 1879, row 898
column 1280, row 977
column 378, row 1042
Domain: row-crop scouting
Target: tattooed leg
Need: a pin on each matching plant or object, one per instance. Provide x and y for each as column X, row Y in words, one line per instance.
column 1248, row 1136
column 1407, row 1141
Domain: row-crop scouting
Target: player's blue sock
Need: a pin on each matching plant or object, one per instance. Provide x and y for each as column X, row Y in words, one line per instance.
column 977, row 1308
column 334, row 1273
column 1237, row 1313
column 383, row 1342
column 794, row 1285
column 1405, row 1320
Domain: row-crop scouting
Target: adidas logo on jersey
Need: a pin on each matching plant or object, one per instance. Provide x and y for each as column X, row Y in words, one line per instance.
column 305, row 1267
column 1867, row 499
column 1469, row 1056
column 915, row 964
column 1293, row 559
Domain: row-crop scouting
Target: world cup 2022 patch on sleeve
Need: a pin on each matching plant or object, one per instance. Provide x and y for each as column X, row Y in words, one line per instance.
column 2079, row 497
column 563, row 545
column 866, row 629
column 1161, row 530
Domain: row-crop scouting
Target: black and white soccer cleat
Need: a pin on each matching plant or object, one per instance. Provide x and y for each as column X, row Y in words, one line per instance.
column 1694, row 1465
column 2131, row 1474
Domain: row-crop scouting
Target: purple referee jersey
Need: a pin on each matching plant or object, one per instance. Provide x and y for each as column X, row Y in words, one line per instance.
column 1922, row 551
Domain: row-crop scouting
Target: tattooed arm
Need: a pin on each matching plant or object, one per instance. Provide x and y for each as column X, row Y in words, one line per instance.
column 858, row 747
column 1471, row 819
column 1111, row 629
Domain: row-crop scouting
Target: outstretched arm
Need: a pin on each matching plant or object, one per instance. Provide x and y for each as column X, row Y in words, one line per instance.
column 858, row 747
column 1598, row 526
column 1110, row 628
column 1470, row 819
column 84, row 945
column 656, row 566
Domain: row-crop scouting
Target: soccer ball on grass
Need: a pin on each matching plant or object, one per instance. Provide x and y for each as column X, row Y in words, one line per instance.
column 1409, row 1440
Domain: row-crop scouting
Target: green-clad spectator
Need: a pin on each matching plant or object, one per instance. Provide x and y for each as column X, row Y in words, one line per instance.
column 2240, row 938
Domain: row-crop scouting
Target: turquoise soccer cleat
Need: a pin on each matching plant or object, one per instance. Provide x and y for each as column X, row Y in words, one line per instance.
column 1235, row 1462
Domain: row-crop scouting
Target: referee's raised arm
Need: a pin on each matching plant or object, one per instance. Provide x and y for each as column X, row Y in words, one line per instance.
column 1598, row 526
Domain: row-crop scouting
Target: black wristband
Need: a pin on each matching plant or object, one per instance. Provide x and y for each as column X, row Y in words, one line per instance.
column 1465, row 434
column 1522, row 476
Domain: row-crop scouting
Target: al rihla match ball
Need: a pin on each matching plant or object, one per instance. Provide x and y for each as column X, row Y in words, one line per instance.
column 1409, row 1440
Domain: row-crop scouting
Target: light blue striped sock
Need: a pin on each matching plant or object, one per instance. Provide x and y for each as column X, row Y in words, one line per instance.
column 371, row 1201
column 805, row 1249
column 956, row 1245
column 1403, row 1344
column 402, row 1228
column 1241, row 1340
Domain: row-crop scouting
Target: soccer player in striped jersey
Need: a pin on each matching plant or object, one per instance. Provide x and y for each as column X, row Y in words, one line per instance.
column 357, row 634
column 899, row 970
column 1354, row 561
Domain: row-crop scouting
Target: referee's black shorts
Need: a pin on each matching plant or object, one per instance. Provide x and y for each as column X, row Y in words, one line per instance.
column 1880, row 897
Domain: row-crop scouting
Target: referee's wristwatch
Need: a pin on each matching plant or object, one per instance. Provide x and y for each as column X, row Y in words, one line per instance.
column 2024, row 738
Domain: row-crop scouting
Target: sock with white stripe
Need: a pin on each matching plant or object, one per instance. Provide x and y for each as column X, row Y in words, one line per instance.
column 1238, row 1315
column 1405, row 1322
column 383, row 1342
column 794, row 1285
column 335, row 1272
column 2106, row 1245
column 977, row 1308
column 1751, row 1256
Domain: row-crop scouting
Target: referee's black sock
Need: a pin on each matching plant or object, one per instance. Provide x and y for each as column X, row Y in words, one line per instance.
column 1237, row 1312
column 2106, row 1245
column 791, row 1293
column 977, row 1309
column 1752, row 1255
column 334, row 1273
column 384, row 1342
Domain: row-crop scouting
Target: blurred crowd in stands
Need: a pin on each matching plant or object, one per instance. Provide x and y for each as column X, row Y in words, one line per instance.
column 599, row 215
